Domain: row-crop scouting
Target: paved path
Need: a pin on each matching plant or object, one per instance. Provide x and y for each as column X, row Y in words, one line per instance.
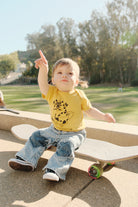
column 11, row 77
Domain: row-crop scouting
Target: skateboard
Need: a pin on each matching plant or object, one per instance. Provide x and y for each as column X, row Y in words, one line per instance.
column 104, row 153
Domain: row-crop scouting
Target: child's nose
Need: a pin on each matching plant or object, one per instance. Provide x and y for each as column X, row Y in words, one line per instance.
column 64, row 75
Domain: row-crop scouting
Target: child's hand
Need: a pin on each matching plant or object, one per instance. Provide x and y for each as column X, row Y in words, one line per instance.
column 41, row 62
column 109, row 118
column 43, row 57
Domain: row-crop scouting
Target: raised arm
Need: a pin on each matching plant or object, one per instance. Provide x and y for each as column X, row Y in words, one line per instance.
column 42, row 65
column 95, row 113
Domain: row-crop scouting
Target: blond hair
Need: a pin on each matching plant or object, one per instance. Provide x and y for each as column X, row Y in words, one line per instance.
column 69, row 62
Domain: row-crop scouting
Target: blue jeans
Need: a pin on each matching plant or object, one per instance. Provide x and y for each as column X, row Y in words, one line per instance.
column 66, row 143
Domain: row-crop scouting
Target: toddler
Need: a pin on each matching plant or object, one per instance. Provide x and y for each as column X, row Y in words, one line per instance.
column 67, row 131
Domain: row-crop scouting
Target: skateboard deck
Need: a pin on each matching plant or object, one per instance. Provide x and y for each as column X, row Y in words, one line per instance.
column 23, row 131
column 101, row 151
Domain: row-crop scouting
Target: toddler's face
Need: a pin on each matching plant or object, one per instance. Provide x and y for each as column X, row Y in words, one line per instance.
column 65, row 78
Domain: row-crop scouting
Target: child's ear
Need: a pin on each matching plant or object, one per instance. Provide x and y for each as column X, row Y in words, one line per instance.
column 77, row 82
column 53, row 80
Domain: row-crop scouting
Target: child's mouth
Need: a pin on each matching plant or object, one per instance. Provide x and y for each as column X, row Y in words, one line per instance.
column 64, row 80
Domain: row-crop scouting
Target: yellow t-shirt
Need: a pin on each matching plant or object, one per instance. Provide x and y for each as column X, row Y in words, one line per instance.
column 67, row 108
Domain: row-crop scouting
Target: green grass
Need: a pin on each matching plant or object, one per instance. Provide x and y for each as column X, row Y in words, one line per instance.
column 25, row 98
column 124, row 106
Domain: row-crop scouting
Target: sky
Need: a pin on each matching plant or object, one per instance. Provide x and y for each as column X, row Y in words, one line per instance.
column 21, row 17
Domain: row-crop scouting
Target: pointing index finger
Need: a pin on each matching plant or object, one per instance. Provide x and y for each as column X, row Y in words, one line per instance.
column 42, row 56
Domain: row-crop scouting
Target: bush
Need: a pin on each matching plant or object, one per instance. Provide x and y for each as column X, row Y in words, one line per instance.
column 95, row 79
column 134, row 83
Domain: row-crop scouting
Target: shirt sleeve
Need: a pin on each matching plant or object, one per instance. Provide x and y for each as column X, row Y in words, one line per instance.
column 50, row 92
column 85, row 103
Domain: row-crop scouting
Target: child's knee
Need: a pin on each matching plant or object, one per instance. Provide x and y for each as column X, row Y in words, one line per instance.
column 36, row 139
column 65, row 149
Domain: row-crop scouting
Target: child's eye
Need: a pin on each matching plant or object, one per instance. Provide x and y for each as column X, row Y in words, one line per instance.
column 59, row 72
column 70, row 73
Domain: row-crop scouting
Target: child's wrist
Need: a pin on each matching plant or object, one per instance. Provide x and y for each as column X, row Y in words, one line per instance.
column 105, row 117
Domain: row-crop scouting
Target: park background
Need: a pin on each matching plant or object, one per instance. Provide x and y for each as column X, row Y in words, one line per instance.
column 106, row 48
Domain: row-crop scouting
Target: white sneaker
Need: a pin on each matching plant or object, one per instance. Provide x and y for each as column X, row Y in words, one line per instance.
column 51, row 176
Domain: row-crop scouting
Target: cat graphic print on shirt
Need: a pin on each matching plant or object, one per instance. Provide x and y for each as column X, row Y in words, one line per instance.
column 66, row 108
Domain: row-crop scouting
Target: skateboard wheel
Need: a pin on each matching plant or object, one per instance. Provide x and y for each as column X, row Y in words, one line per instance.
column 95, row 171
column 111, row 163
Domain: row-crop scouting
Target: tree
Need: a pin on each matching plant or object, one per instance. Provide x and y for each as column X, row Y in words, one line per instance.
column 104, row 46
column 46, row 40
column 6, row 66
column 122, row 15
column 88, row 49
column 67, row 37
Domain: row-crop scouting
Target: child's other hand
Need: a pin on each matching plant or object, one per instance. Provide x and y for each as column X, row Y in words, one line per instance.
column 109, row 118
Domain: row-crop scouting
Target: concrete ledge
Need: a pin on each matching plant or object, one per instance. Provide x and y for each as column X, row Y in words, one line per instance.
column 120, row 134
